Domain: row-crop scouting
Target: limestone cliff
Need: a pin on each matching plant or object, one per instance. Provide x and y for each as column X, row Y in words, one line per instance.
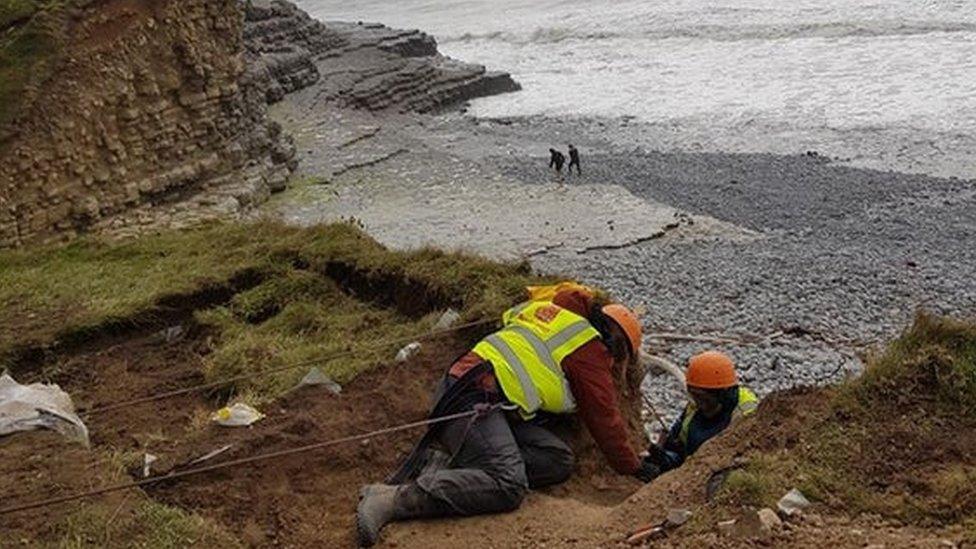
column 146, row 116
column 368, row 66
column 118, row 115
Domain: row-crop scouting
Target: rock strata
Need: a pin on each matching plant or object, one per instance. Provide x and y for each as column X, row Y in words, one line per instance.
column 360, row 65
column 150, row 106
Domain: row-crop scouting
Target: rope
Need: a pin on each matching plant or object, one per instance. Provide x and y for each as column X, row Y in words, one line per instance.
column 252, row 375
column 478, row 412
column 650, row 406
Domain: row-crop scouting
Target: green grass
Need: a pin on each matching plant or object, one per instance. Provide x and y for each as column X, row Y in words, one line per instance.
column 145, row 524
column 295, row 314
column 30, row 37
column 747, row 486
column 888, row 442
column 312, row 319
column 936, row 358
column 12, row 11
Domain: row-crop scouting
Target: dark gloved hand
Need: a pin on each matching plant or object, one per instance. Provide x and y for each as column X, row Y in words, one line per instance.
column 648, row 470
column 655, row 454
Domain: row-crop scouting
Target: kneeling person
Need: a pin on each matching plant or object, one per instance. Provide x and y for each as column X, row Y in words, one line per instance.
column 717, row 399
column 550, row 358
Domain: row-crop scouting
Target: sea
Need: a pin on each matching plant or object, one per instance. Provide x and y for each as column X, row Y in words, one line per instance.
column 889, row 84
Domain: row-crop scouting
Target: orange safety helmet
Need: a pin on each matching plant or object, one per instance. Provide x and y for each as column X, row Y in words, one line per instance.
column 628, row 322
column 711, row 370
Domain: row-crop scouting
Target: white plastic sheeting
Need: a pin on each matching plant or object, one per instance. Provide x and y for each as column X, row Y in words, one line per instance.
column 38, row 406
column 237, row 415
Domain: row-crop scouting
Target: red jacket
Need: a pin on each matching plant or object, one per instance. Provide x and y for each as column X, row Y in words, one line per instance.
column 588, row 370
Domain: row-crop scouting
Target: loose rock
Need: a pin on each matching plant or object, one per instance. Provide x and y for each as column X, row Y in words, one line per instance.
column 769, row 519
column 793, row 502
column 677, row 517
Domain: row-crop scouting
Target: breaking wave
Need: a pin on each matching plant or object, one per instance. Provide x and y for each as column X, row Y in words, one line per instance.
column 553, row 35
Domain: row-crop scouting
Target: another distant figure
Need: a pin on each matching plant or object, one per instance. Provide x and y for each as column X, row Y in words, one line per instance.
column 556, row 160
column 574, row 160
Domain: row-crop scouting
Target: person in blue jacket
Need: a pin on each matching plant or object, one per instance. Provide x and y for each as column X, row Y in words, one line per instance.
column 717, row 399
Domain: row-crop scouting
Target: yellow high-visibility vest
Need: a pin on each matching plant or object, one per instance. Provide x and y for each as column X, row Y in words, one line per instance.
column 747, row 405
column 527, row 355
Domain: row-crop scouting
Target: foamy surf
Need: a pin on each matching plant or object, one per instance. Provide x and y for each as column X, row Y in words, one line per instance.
column 885, row 85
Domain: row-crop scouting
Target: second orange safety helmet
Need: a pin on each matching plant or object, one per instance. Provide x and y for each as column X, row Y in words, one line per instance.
column 628, row 322
column 711, row 370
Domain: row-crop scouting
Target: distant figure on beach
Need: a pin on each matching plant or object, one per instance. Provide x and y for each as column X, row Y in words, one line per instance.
column 574, row 161
column 556, row 160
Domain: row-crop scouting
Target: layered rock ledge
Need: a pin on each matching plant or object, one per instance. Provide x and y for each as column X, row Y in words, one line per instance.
column 360, row 65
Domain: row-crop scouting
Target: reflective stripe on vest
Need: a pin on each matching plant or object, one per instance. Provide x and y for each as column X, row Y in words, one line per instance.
column 527, row 355
column 747, row 405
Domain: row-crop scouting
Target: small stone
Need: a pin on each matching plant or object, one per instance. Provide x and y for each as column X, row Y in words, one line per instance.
column 747, row 526
column 726, row 526
column 769, row 519
column 407, row 351
column 446, row 320
column 792, row 503
column 677, row 517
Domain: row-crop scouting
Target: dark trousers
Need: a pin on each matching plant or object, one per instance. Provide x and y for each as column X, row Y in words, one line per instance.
column 577, row 164
column 496, row 458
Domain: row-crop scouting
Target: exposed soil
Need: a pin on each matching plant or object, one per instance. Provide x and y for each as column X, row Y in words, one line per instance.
column 309, row 498
column 304, row 499
column 38, row 465
column 43, row 340
column 782, row 425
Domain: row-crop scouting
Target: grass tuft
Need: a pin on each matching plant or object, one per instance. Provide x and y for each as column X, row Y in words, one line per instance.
column 935, row 359
column 897, row 441
column 146, row 524
column 749, row 486
column 318, row 291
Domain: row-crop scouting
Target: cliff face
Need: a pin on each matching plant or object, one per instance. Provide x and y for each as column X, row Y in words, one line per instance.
column 366, row 66
column 149, row 116
column 144, row 113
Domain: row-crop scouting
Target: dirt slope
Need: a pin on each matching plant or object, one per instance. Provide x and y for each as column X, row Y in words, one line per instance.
column 886, row 459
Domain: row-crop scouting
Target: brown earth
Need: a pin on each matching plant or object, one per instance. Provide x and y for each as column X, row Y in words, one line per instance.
column 309, row 498
column 873, row 454
column 299, row 500
column 545, row 520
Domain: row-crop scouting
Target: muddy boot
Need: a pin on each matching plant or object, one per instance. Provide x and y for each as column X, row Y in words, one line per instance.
column 380, row 504
column 375, row 510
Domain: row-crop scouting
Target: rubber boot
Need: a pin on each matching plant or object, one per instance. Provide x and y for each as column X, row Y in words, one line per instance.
column 380, row 504
column 375, row 510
